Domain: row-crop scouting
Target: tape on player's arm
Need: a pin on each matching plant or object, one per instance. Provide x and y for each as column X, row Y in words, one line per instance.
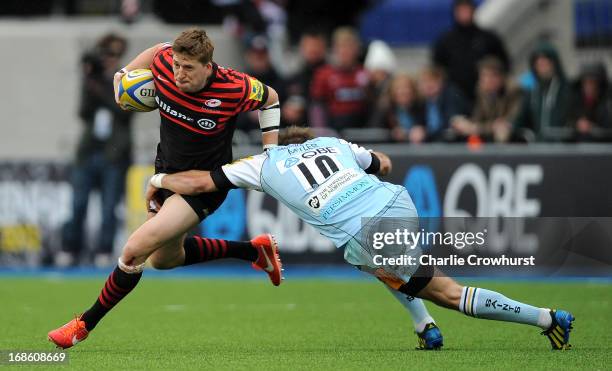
column 269, row 120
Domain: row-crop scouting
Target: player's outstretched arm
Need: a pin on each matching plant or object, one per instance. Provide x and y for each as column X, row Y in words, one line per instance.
column 190, row 182
column 142, row 60
column 269, row 120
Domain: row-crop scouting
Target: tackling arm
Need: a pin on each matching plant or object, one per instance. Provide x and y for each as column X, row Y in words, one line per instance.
column 190, row 182
column 244, row 173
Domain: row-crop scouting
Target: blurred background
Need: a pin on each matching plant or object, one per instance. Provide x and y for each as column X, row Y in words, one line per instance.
column 488, row 108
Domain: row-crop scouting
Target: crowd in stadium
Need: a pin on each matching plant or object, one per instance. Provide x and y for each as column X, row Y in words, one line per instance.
column 470, row 91
column 465, row 94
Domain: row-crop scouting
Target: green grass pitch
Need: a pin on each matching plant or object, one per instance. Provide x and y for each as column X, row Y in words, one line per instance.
column 234, row 324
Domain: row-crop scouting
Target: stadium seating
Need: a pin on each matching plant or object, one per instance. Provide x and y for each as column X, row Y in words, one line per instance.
column 593, row 22
column 407, row 22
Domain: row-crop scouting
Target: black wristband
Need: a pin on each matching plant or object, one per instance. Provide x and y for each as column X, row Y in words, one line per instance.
column 220, row 179
column 374, row 165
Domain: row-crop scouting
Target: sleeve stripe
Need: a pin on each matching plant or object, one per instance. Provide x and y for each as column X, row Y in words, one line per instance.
column 270, row 128
column 275, row 106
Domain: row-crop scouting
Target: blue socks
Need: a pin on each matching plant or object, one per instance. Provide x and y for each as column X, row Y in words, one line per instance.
column 487, row 304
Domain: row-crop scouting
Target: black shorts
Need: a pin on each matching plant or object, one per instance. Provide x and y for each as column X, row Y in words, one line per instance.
column 203, row 204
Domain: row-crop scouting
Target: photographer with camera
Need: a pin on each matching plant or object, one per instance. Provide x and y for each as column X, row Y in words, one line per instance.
column 103, row 154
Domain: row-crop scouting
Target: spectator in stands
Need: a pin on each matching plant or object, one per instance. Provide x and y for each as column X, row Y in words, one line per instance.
column 442, row 103
column 459, row 50
column 544, row 109
column 259, row 66
column 405, row 115
column 496, row 106
column 591, row 108
column 103, row 154
column 340, row 90
column 313, row 51
column 293, row 111
column 130, row 10
column 381, row 64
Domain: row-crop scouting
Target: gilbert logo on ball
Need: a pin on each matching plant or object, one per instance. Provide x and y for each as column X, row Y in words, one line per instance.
column 137, row 91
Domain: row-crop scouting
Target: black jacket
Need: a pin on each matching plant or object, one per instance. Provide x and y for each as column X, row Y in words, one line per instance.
column 544, row 109
column 459, row 50
column 599, row 112
column 97, row 93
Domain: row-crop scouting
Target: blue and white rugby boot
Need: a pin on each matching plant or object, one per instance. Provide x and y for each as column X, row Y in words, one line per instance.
column 430, row 338
column 559, row 331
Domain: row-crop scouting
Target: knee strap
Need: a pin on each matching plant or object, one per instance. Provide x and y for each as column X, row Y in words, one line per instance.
column 131, row 269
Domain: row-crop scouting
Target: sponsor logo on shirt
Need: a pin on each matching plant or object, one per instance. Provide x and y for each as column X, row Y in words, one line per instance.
column 332, row 187
column 212, row 103
column 319, row 151
column 349, row 194
column 295, row 148
column 206, row 124
column 163, row 106
column 314, row 203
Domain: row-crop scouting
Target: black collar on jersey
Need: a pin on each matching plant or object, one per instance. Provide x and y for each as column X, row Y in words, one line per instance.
column 212, row 76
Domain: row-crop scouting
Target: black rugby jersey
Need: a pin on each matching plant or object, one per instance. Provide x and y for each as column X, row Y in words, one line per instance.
column 196, row 128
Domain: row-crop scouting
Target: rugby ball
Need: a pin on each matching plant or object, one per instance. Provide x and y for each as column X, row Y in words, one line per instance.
column 137, row 91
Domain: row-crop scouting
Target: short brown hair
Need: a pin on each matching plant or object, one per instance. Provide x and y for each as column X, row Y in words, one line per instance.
column 195, row 43
column 294, row 135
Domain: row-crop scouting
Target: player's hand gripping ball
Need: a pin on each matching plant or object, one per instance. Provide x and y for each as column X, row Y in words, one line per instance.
column 137, row 91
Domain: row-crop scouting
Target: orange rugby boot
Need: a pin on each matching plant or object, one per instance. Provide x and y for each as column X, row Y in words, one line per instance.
column 70, row 334
column 268, row 259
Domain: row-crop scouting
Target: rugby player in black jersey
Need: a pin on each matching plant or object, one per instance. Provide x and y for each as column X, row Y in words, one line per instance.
column 198, row 103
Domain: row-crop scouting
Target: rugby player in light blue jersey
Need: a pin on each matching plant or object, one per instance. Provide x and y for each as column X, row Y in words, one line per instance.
column 329, row 183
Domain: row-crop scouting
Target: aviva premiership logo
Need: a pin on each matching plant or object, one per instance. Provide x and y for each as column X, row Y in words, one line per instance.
column 257, row 90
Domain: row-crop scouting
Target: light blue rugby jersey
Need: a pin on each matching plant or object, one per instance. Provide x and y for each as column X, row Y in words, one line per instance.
column 322, row 180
